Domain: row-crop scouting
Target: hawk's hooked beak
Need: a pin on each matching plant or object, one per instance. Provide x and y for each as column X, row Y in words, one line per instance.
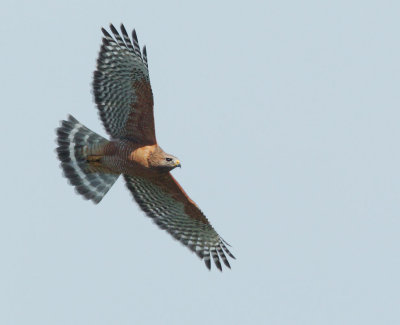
column 177, row 163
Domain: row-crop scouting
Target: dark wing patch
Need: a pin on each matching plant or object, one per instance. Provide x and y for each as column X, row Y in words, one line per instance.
column 166, row 203
column 122, row 89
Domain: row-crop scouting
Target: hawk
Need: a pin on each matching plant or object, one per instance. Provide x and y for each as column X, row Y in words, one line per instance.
column 92, row 164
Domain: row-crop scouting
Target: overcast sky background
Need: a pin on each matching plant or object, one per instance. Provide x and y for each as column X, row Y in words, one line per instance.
column 285, row 115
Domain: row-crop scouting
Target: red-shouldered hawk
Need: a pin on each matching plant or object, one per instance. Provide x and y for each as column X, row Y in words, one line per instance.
column 92, row 163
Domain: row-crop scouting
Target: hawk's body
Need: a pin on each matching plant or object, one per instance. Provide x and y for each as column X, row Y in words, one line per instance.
column 92, row 163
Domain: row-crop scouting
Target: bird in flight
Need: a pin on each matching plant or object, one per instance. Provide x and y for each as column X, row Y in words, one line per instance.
column 92, row 164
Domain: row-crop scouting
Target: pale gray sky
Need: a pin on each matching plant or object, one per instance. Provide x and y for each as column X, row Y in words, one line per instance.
column 285, row 115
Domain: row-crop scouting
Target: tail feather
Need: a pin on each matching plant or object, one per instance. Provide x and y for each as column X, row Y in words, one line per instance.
column 75, row 142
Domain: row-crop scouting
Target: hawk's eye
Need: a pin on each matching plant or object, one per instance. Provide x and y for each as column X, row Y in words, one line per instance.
column 168, row 159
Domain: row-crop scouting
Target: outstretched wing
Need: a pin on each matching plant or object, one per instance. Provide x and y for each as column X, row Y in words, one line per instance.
column 122, row 88
column 164, row 200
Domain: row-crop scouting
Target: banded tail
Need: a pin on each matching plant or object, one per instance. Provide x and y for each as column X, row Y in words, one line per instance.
column 77, row 145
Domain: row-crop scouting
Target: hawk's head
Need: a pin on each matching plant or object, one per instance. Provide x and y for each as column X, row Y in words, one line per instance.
column 170, row 162
column 162, row 160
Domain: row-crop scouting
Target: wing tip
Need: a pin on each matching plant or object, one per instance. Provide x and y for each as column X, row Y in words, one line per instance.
column 134, row 35
column 113, row 29
column 123, row 29
column 207, row 263
column 105, row 33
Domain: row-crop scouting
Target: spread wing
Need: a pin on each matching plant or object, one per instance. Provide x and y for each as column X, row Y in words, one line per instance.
column 122, row 88
column 163, row 199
